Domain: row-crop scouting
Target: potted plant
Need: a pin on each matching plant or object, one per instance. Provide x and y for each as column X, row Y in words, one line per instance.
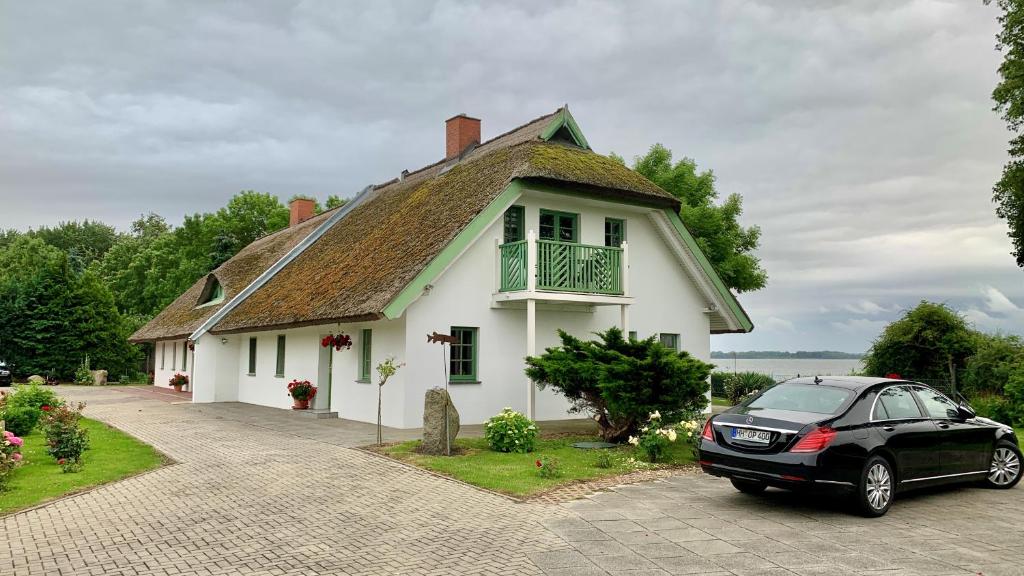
column 178, row 380
column 301, row 392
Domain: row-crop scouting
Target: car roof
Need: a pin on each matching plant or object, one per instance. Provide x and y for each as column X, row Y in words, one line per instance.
column 850, row 382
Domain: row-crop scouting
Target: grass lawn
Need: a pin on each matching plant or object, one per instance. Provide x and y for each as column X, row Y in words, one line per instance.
column 517, row 474
column 719, row 401
column 112, row 455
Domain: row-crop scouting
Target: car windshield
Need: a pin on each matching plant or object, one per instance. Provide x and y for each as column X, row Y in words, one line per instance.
column 801, row 398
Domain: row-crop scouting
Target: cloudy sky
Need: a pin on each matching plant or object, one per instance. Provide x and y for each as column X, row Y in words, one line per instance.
column 860, row 134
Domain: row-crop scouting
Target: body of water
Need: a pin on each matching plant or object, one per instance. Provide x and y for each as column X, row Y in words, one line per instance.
column 780, row 368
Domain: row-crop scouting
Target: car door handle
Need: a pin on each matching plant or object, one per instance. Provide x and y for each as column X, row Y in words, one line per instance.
column 888, row 428
column 943, row 425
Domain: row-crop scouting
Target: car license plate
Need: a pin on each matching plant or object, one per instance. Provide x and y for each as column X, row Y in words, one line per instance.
column 759, row 436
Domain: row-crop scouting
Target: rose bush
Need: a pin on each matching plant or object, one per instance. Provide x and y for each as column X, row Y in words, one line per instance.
column 65, row 439
column 10, row 456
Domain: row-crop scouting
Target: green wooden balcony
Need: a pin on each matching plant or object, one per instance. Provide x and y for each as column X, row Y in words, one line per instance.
column 562, row 267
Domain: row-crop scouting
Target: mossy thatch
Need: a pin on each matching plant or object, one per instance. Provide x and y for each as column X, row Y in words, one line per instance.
column 358, row 267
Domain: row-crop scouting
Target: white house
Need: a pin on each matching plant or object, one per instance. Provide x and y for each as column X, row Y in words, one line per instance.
column 499, row 244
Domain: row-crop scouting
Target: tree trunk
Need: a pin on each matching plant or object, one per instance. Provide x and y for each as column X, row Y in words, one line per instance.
column 952, row 375
column 379, row 441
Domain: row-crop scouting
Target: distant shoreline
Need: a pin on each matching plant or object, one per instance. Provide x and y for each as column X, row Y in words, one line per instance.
column 777, row 355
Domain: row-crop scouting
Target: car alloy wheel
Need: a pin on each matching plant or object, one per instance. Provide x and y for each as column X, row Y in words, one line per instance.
column 879, row 486
column 1005, row 467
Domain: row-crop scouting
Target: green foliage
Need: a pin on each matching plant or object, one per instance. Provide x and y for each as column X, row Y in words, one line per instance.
column 83, row 374
column 741, row 384
column 1008, row 192
column 718, row 383
column 654, row 438
column 10, row 456
column 603, row 459
column 993, row 358
column 621, row 381
column 53, row 315
column 510, row 431
column 20, row 420
column 548, row 467
column 84, row 242
column 923, row 344
column 335, row 201
column 728, row 245
column 32, row 396
column 66, row 439
column 995, row 407
column 1015, row 396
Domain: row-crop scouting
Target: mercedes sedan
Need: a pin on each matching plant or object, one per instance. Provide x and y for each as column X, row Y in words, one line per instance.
column 870, row 437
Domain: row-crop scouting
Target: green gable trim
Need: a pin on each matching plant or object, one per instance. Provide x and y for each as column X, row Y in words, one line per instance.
column 565, row 119
column 450, row 252
column 727, row 295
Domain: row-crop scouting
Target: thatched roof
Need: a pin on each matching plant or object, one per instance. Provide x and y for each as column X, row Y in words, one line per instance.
column 364, row 260
column 181, row 317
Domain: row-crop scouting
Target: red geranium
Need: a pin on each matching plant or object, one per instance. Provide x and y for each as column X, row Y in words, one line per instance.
column 539, row 464
column 44, row 408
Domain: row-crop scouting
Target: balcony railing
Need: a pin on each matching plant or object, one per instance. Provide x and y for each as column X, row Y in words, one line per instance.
column 562, row 267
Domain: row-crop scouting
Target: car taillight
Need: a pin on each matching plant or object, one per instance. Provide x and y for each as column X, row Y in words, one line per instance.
column 815, row 441
column 708, row 433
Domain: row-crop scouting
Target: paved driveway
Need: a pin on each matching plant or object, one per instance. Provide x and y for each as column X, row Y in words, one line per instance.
column 262, row 491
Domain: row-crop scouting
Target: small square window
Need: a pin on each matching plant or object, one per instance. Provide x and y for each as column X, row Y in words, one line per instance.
column 614, row 232
column 669, row 341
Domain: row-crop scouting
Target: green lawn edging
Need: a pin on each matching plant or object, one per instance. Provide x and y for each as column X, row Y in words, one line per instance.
column 517, row 475
column 112, row 455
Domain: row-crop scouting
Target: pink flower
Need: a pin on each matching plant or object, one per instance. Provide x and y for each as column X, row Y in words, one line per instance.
column 61, row 461
column 15, row 440
column 16, row 456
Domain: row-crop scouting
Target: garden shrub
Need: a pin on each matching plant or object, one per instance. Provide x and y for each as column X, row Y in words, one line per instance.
column 20, row 420
column 993, row 406
column 1015, row 396
column 65, row 438
column 621, row 381
column 741, row 384
column 510, row 431
column 548, row 467
column 83, row 374
column 10, row 456
column 603, row 459
column 33, row 396
column 718, row 383
column 654, row 438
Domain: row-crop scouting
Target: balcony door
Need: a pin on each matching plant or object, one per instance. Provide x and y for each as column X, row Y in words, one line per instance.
column 559, row 226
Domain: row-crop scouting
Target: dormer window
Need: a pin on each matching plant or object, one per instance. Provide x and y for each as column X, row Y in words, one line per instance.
column 213, row 292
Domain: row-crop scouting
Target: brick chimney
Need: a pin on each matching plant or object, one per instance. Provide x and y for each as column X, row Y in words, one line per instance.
column 460, row 132
column 302, row 210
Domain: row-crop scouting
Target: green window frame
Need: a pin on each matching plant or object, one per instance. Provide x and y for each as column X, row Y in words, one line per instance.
column 669, row 340
column 279, row 370
column 464, row 354
column 614, row 232
column 184, row 356
column 252, row 356
column 163, row 355
column 559, row 226
column 515, row 218
column 174, row 355
column 632, row 334
column 366, row 354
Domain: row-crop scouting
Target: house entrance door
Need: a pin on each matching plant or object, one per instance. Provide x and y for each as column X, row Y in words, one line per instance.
column 323, row 377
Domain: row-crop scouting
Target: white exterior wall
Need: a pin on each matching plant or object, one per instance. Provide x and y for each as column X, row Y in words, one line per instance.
column 666, row 301
column 171, row 364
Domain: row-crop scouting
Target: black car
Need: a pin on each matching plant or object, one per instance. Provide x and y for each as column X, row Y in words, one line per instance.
column 6, row 378
column 872, row 437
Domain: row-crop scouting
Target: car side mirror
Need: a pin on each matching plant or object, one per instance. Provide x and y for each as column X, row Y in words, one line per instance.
column 965, row 412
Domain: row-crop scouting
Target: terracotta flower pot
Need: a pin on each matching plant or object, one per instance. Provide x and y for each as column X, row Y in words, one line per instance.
column 177, row 388
column 300, row 404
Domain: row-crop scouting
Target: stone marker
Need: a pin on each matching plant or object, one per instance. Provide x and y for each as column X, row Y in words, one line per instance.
column 99, row 377
column 433, row 421
column 37, row 379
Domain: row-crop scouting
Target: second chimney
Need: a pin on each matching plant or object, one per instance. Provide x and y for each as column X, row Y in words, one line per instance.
column 301, row 210
column 460, row 133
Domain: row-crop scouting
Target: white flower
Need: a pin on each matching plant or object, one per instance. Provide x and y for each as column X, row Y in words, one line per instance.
column 634, row 440
column 671, row 435
column 644, row 429
column 654, row 415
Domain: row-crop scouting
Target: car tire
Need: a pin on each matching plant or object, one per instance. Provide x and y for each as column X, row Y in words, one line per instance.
column 877, row 487
column 1005, row 469
column 748, row 486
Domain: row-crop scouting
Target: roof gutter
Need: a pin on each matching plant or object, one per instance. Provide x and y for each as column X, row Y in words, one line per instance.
column 280, row 264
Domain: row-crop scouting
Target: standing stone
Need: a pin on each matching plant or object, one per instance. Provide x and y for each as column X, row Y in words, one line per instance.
column 99, row 377
column 37, row 379
column 433, row 421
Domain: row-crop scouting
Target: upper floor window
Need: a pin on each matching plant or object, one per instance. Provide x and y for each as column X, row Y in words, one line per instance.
column 614, row 232
column 515, row 217
column 212, row 293
column 559, row 226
